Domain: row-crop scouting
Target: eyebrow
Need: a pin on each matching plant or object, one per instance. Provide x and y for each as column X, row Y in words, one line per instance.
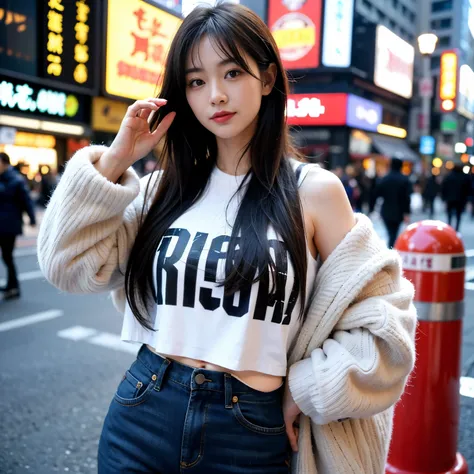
column 224, row 62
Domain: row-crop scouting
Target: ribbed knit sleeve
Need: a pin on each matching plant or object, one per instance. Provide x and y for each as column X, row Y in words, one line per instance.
column 361, row 369
column 89, row 227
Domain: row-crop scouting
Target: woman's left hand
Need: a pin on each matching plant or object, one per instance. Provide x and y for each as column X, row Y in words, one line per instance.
column 291, row 414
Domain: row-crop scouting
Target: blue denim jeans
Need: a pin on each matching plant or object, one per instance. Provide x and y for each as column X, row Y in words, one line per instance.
column 169, row 418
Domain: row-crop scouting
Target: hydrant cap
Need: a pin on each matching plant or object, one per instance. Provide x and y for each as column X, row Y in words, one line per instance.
column 430, row 237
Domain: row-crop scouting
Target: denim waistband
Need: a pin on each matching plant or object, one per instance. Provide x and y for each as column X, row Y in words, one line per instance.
column 201, row 379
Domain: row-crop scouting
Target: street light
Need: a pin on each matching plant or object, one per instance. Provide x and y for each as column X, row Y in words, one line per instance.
column 426, row 45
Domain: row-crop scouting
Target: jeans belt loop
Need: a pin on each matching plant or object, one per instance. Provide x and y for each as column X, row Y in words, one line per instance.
column 228, row 390
column 161, row 374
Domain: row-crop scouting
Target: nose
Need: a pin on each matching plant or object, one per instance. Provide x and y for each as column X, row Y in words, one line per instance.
column 218, row 95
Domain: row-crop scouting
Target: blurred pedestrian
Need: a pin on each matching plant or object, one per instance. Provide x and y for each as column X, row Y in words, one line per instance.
column 354, row 186
column 363, row 184
column 48, row 184
column 395, row 190
column 471, row 195
column 350, row 184
column 14, row 200
column 416, row 200
column 430, row 193
column 455, row 190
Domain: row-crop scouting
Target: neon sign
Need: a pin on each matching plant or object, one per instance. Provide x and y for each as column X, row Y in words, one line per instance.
column 55, row 37
column 448, row 80
column 23, row 97
column 81, row 48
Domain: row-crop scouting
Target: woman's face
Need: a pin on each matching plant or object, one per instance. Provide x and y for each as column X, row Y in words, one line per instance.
column 215, row 84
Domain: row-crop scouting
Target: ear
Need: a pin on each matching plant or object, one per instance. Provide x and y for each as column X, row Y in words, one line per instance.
column 268, row 79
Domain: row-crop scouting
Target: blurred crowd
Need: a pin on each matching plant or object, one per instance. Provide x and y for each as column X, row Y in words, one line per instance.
column 397, row 197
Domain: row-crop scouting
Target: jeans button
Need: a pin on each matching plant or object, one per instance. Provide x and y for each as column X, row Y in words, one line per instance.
column 200, row 379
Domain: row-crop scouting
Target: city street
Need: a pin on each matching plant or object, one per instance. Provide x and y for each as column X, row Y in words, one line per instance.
column 61, row 359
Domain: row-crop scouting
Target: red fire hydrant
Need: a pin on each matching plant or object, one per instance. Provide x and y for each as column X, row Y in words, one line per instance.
column 425, row 432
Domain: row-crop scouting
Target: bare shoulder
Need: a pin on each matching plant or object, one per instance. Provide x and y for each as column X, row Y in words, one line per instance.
column 321, row 185
column 325, row 200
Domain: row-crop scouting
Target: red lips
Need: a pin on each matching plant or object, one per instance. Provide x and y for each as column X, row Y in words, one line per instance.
column 223, row 113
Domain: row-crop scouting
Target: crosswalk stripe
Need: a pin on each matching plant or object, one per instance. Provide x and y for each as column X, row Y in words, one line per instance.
column 113, row 341
column 104, row 339
column 76, row 333
column 32, row 319
column 33, row 275
column 469, row 284
column 467, row 387
column 27, row 252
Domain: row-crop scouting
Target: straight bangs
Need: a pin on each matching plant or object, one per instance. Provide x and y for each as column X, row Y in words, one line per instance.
column 225, row 40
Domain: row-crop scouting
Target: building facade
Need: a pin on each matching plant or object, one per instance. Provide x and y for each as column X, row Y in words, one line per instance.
column 453, row 22
column 353, row 80
column 48, row 75
column 399, row 16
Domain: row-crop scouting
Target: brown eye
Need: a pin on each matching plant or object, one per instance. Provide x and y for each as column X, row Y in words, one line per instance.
column 196, row 83
column 233, row 74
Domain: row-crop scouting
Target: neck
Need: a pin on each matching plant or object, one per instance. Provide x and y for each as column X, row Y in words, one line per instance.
column 229, row 152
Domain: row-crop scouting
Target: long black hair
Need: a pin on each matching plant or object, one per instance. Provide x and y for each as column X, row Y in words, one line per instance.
column 189, row 155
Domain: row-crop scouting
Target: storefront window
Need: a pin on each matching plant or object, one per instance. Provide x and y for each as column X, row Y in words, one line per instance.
column 30, row 161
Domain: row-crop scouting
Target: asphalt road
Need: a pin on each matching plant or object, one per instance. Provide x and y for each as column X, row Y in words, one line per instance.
column 59, row 370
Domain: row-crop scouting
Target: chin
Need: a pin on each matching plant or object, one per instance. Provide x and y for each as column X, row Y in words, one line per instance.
column 226, row 134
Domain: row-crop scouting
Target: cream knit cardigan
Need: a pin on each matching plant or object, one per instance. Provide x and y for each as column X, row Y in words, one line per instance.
column 351, row 359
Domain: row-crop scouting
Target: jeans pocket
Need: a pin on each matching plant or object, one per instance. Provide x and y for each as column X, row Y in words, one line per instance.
column 264, row 418
column 136, row 385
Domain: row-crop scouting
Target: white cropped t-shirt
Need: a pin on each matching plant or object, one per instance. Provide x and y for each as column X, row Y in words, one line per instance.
column 192, row 318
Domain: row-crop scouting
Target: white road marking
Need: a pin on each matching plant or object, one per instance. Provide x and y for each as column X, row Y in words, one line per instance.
column 104, row 339
column 26, row 252
column 113, row 341
column 76, row 333
column 469, row 285
column 32, row 319
column 33, row 275
column 467, row 387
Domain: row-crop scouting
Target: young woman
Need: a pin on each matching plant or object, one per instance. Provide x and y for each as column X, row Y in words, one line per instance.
column 267, row 312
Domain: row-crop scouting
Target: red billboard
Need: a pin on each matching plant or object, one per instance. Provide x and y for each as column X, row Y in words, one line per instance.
column 317, row 109
column 296, row 27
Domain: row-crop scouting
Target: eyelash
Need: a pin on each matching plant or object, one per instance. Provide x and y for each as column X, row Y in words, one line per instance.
column 192, row 81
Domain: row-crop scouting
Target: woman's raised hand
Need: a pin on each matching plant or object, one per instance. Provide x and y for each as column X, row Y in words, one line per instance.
column 134, row 139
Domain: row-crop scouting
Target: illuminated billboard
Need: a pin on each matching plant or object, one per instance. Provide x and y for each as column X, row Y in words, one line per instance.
column 136, row 48
column 448, row 80
column 337, row 39
column 394, row 60
column 296, row 27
